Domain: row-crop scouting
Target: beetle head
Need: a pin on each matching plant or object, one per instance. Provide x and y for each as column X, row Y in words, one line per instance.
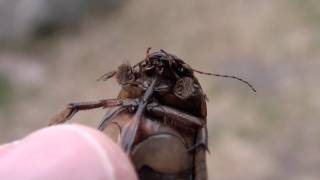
column 163, row 63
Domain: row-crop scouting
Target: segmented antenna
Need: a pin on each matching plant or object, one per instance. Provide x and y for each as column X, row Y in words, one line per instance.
column 148, row 53
column 227, row 76
column 107, row 76
column 146, row 58
column 170, row 59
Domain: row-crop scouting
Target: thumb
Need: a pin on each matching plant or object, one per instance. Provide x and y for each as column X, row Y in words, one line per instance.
column 65, row 152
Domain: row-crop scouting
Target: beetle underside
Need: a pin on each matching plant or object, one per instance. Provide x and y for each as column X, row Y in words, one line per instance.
column 159, row 117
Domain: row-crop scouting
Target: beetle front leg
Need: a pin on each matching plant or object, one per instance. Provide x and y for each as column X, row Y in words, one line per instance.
column 129, row 132
column 73, row 108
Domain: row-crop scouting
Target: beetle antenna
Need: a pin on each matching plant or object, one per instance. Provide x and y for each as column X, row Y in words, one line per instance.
column 139, row 63
column 107, row 76
column 170, row 59
column 148, row 53
column 227, row 76
column 146, row 58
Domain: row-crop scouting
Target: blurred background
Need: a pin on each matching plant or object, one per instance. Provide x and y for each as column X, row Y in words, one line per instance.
column 52, row 52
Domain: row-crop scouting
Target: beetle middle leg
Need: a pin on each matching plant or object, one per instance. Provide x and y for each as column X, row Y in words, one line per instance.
column 184, row 120
column 73, row 108
column 108, row 116
column 181, row 118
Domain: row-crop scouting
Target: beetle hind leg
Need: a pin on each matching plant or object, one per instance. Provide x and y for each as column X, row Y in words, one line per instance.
column 201, row 146
column 201, row 140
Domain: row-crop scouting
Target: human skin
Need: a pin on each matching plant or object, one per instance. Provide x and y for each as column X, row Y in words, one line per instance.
column 65, row 152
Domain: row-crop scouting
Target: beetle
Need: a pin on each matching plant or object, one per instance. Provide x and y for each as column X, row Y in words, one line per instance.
column 158, row 118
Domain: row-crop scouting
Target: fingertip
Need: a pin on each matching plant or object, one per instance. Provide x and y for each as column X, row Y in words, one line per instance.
column 113, row 158
column 6, row 147
column 66, row 152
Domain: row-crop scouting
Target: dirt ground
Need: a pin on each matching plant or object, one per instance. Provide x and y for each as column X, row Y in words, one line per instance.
column 274, row 44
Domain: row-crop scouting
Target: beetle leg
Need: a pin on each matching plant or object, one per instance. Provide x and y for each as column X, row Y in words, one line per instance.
column 181, row 118
column 129, row 132
column 162, row 88
column 118, row 125
column 73, row 108
column 201, row 140
column 200, row 167
column 108, row 116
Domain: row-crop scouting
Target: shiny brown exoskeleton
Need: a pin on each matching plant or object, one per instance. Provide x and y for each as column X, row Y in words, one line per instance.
column 159, row 117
